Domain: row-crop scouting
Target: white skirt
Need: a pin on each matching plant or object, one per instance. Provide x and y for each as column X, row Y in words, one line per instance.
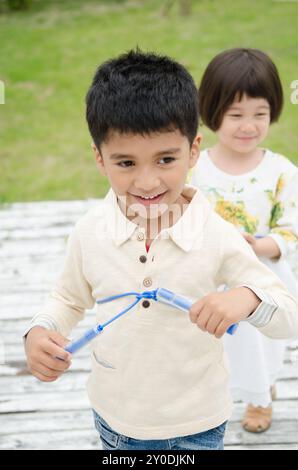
column 255, row 360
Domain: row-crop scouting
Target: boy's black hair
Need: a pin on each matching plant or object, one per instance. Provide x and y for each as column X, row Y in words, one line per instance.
column 141, row 93
column 233, row 73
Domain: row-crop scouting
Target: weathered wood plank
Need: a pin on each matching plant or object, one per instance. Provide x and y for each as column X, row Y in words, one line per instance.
column 263, row 447
column 46, row 401
column 29, row 385
column 42, row 420
column 82, row 439
column 25, row 310
column 79, row 438
column 18, row 271
column 45, row 421
column 37, row 234
column 31, row 429
column 13, row 249
column 46, row 208
column 33, row 222
column 280, row 432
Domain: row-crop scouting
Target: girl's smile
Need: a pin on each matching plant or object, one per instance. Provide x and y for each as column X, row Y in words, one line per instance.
column 244, row 126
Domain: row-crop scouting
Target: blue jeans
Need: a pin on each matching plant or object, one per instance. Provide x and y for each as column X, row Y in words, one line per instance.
column 208, row 440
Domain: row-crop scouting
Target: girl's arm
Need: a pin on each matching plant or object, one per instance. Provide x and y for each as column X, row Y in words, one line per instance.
column 284, row 215
column 277, row 314
column 265, row 246
column 282, row 238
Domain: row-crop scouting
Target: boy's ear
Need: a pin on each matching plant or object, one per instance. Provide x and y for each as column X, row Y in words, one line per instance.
column 195, row 150
column 99, row 159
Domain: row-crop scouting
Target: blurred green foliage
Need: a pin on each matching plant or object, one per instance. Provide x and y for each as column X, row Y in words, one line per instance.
column 50, row 51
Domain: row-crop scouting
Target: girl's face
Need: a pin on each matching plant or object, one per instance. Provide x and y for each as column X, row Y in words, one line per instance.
column 245, row 124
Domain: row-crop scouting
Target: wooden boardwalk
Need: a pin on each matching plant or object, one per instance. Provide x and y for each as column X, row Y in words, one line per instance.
column 36, row 415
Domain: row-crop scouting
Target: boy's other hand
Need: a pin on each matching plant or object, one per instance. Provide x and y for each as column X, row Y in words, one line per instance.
column 43, row 348
column 217, row 311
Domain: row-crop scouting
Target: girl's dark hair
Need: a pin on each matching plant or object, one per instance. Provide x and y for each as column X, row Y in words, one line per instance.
column 233, row 73
column 141, row 93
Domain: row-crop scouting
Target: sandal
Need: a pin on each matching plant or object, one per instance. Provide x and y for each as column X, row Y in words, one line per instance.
column 257, row 419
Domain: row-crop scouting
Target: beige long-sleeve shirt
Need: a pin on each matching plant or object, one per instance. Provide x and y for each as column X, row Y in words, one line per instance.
column 169, row 378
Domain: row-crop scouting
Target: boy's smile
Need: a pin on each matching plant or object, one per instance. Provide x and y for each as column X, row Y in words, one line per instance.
column 147, row 200
column 147, row 171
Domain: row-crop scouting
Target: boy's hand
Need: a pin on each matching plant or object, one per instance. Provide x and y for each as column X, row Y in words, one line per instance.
column 217, row 311
column 43, row 347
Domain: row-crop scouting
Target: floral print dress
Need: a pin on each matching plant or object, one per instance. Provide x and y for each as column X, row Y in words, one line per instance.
column 262, row 202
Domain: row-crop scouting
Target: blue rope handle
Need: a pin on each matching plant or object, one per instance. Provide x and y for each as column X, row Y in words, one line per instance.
column 89, row 335
column 162, row 295
column 179, row 301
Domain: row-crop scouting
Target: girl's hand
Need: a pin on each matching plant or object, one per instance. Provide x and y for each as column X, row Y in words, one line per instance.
column 251, row 240
column 215, row 312
column 43, row 348
column 264, row 246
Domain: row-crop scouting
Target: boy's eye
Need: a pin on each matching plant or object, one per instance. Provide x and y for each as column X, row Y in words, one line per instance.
column 166, row 160
column 125, row 163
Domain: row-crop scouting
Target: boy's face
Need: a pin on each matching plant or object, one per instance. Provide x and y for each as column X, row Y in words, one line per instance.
column 148, row 170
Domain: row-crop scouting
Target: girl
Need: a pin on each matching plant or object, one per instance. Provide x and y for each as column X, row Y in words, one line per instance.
column 255, row 189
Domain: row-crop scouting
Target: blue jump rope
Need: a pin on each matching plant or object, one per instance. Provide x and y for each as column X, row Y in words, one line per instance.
column 162, row 295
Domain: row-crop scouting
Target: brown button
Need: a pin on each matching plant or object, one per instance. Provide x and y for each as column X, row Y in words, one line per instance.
column 146, row 303
column 140, row 236
column 147, row 282
column 143, row 259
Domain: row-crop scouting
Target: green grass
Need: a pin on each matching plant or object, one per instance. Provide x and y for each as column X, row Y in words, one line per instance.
column 49, row 54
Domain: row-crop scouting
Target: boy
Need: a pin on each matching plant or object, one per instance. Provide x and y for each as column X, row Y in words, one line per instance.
column 157, row 381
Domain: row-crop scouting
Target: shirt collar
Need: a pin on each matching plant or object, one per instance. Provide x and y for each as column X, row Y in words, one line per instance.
column 189, row 229
column 185, row 232
column 119, row 227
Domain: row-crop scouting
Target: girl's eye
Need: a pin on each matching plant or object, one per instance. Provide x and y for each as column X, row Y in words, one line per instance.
column 166, row 160
column 262, row 114
column 235, row 115
column 125, row 164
